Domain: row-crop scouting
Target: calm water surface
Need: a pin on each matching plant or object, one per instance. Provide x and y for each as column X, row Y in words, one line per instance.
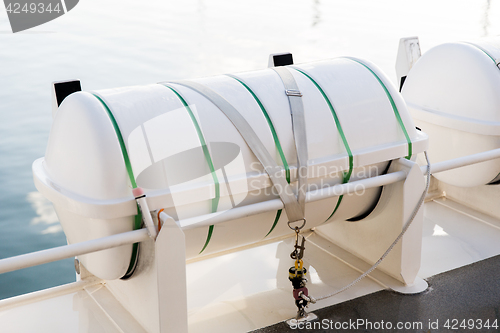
column 115, row 43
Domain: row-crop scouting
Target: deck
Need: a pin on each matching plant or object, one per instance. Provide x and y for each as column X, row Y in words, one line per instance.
column 459, row 260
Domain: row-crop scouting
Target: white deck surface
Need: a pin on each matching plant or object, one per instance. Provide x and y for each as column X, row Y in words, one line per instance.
column 454, row 236
column 74, row 312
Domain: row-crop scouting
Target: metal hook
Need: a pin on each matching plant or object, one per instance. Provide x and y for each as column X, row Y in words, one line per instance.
column 298, row 252
column 295, row 228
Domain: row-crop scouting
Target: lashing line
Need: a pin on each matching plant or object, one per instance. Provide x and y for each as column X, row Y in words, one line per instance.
column 405, row 228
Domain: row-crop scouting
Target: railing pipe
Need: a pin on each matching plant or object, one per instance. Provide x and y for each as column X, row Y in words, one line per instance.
column 275, row 204
column 72, row 250
column 462, row 161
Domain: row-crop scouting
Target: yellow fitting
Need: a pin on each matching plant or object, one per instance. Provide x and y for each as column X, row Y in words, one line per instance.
column 298, row 265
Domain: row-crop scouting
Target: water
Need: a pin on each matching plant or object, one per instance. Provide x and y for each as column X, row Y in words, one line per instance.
column 115, row 43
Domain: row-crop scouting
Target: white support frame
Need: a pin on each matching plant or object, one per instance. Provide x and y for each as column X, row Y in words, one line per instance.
column 158, row 287
column 68, row 251
column 171, row 277
column 369, row 238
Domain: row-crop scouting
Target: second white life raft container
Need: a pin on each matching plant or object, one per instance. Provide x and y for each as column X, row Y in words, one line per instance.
column 191, row 160
column 453, row 94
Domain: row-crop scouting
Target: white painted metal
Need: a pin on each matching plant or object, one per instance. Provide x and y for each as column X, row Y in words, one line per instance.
column 142, row 289
column 148, row 221
column 38, row 296
column 454, row 236
column 68, row 251
column 408, row 54
column 161, row 268
column 156, row 295
column 171, row 263
column 72, row 250
column 457, row 235
column 463, row 161
column 244, row 211
column 312, row 196
column 368, row 239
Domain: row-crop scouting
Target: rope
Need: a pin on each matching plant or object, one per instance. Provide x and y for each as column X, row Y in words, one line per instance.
column 405, row 228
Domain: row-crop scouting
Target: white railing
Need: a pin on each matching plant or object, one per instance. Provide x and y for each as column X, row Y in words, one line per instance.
column 72, row 250
column 463, row 161
column 276, row 204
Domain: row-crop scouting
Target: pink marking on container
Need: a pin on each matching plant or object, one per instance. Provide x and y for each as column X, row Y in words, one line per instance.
column 138, row 192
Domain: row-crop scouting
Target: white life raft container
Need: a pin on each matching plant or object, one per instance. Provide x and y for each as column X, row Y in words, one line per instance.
column 453, row 94
column 192, row 161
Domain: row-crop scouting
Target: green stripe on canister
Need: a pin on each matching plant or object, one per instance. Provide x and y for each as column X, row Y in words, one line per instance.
column 276, row 143
column 208, row 158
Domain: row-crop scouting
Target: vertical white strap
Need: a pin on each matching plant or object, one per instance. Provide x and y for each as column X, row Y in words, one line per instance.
column 299, row 130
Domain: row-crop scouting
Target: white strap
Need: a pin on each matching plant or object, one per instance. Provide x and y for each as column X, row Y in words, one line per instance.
column 292, row 208
column 299, row 130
